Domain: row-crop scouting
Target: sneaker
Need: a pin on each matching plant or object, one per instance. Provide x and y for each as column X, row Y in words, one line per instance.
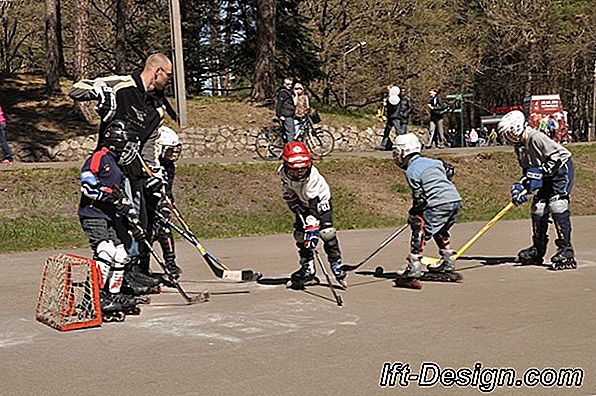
column 7, row 161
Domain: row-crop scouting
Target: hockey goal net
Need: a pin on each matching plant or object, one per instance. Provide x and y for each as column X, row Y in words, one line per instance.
column 69, row 293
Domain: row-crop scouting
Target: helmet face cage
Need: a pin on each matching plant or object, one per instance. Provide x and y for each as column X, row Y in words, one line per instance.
column 123, row 143
column 512, row 126
column 128, row 153
column 297, row 174
column 398, row 156
column 171, row 153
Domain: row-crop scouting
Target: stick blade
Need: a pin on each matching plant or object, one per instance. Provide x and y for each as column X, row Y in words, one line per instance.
column 349, row 267
column 241, row 275
column 251, row 276
column 200, row 298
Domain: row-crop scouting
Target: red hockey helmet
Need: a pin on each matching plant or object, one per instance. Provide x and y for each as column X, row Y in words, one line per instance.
column 297, row 160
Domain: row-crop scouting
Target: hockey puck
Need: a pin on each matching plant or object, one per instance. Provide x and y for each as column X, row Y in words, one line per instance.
column 379, row 271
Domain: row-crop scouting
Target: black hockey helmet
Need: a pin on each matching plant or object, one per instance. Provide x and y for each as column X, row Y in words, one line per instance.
column 122, row 141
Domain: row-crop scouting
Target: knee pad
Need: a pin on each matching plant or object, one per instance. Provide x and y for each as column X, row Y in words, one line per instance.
column 328, row 234
column 105, row 251
column 539, row 208
column 120, row 257
column 558, row 204
column 104, row 260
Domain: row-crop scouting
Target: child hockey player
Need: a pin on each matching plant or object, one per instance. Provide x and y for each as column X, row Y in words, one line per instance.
column 436, row 204
column 169, row 145
column 104, row 210
column 307, row 194
column 548, row 169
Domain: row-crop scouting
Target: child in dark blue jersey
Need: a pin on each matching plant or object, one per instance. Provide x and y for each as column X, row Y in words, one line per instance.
column 105, row 213
column 436, row 204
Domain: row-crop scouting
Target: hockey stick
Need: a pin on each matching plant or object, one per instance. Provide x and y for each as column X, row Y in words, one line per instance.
column 224, row 272
column 213, row 262
column 483, row 230
column 337, row 297
column 202, row 297
column 387, row 241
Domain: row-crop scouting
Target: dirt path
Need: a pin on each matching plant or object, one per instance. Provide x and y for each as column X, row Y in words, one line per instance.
column 469, row 151
column 271, row 340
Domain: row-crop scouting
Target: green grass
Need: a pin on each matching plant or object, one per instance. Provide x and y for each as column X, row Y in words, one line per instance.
column 220, row 201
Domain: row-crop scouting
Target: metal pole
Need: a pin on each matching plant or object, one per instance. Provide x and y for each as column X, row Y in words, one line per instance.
column 354, row 48
column 179, row 86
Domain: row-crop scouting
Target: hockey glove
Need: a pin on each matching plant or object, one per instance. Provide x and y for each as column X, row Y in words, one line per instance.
column 121, row 203
column 311, row 232
column 136, row 229
column 106, row 102
column 449, row 170
column 516, row 194
column 533, row 179
column 293, row 202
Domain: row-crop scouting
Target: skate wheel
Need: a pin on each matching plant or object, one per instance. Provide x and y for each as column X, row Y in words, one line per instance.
column 111, row 317
column 143, row 300
column 135, row 311
column 379, row 271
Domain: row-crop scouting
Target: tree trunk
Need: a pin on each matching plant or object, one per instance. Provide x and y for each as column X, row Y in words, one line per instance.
column 81, row 53
column 120, row 36
column 264, row 77
column 226, row 48
column 214, row 60
column 52, row 47
column 59, row 43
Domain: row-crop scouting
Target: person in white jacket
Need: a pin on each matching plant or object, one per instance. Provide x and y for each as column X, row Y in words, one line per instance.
column 307, row 194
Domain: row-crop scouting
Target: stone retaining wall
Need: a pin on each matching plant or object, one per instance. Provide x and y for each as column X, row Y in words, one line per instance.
column 200, row 143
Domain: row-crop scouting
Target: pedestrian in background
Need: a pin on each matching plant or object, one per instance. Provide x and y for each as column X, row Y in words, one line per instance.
column 8, row 159
column 437, row 110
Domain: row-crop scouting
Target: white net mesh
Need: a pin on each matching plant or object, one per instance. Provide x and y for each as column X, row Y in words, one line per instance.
column 69, row 296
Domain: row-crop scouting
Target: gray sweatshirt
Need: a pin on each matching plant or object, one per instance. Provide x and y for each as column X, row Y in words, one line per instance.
column 540, row 151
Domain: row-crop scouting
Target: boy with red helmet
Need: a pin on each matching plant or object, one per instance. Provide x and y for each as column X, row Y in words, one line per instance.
column 307, row 194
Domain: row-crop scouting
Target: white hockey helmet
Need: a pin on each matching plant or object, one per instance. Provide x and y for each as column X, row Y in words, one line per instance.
column 512, row 126
column 394, row 95
column 403, row 146
column 169, row 143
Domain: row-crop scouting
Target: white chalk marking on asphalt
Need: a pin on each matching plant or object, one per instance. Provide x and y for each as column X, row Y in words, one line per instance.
column 12, row 340
column 235, row 327
column 586, row 263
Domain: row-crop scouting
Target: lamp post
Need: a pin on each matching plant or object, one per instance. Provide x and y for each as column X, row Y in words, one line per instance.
column 360, row 44
column 179, row 86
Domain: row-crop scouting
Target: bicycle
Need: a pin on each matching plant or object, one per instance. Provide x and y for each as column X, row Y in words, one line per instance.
column 269, row 143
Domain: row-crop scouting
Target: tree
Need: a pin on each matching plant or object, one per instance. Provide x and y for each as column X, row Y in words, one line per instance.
column 53, row 46
column 81, row 53
column 120, row 36
column 264, row 75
